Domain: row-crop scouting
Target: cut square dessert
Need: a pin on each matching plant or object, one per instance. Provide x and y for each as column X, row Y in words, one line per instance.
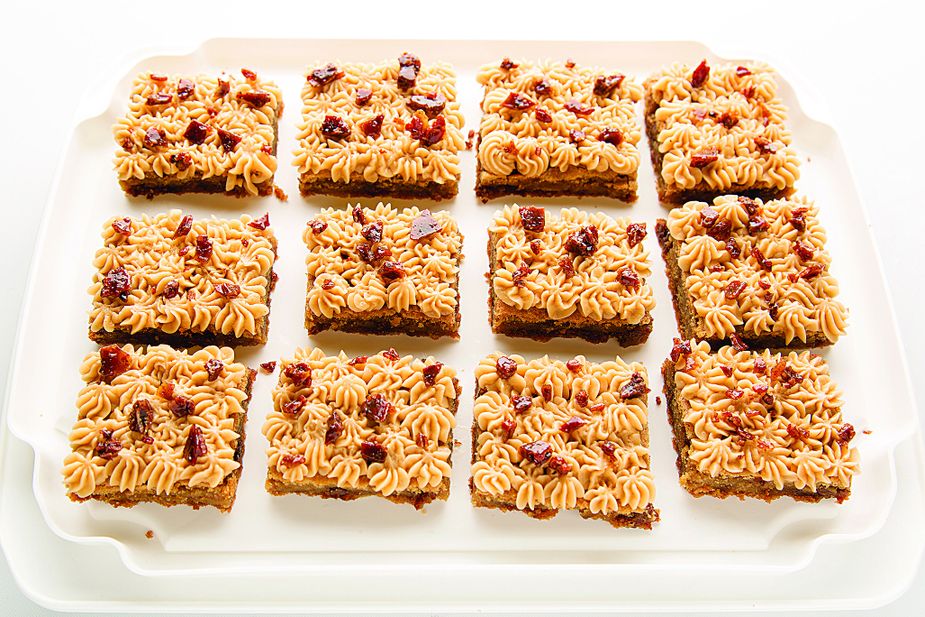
column 550, row 435
column 346, row 428
column 576, row 275
column 202, row 134
column 716, row 130
column 393, row 128
column 554, row 129
column 751, row 272
column 159, row 425
column 170, row 279
column 383, row 271
column 757, row 424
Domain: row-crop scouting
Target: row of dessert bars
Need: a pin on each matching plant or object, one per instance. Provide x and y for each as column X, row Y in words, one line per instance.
column 395, row 129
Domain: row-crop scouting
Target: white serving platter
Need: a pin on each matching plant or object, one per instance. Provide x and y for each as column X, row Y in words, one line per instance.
column 298, row 553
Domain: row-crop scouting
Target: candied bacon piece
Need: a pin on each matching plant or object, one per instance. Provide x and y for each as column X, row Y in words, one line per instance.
column 262, row 223
column 700, row 74
column 373, row 452
column 507, row 65
column 300, row 373
column 542, row 87
column 165, row 390
column 519, row 276
column 357, row 214
column 424, row 225
column 180, row 406
column 737, row 343
column 532, row 218
column 508, row 425
column 568, row 268
column 635, row 232
column 605, row 85
column 358, row 360
column 845, row 434
column 391, row 271
column 159, row 98
column 106, row 447
column 335, row 427
column 728, row 120
column 363, row 96
column 294, row 407
column 535, row 247
column 182, row 160
column 430, row 373
column 734, row 288
column 293, row 460
column 214, row 368
column 391, row 354
column 171, row 290
column 116, row 283
column 155, row 138
column 741, row 71
column 804, row 250
column 228, row 139
column 411, row 60
column 373, row 126
column 732, row 247
column 228, row 290
column 708, row 217
column 757, row 224
column 203, row 248
column 268, row 367
column 195, row 446
column 635, row 387
column 576, row 136
column 546, row 392
column 811, row 271
column 431, row 104
column 574, row 365
column 255, row 98
column 569, row 63
column 428, row 134
column 407, row 77
column 609, row 448
column 559, row 465
column 317, row 226
column 372, row 254
column 578, row 108
column 797, row 218
column 582, row 242
column 505, row 367
column 139, row 421
column 797, row 432
column 196, row 132
column 614, row 137
column 734, row 394
column 123, row 226
column 765, row 146
column 763, row 262
column 518, row 102
column 113, row 362
column 760, row 366
column 542, row 115
column 727, row 370
column 157, row 77
column 537, row 452
column 185, row 89
column 628, row 278
column 324, row 75
column 334, row 128
column 680, row 349
column 224, row 87
column 701, row 159
column 376, row 407
column 597, row 407
column 572, row 424
column 721, row 230
column 521, row 404
column 248, row 74
column 373, row 231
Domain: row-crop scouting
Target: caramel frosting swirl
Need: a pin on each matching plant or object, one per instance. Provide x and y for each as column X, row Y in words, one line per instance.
column 175, row 287
column 792, row 294
column 340, row 278
column 167, row 105
column 541, row 137
column 416, row 434
column 768, row 415
column 595, row 290
column 735, row 113
column 392, row 153
column 108, row 450
column 601, row 465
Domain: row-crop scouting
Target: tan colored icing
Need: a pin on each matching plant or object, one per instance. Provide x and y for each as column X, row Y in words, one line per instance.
column 806, row 306
column 764, row 447
column 431, row 264
column 420, row 411
column 241, row 255
column 690, row 119
column 621, row 484
column 594, row 291
column 158, row 466
column 395, row 153
column 513, row 140
column 247, row 166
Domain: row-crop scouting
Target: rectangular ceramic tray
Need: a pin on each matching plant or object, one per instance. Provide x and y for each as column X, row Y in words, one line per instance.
column 309, row 550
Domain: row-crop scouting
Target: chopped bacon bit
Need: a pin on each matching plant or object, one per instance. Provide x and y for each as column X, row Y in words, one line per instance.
column 224, row 87
column 364, row 95
column 846, row 433
column 373, row 126
column 596, row 407
column 635, row 232
column 760, row 366
column 214, row 368
column 734, row 394
column 536, row 247
column 811, row 271
column 262, row 223
column 293, row 460
column 737, row 343
column 689, row 364
column 576, row 136
column 182, row 160
column 507, row 65
column 578, row 108
column 376, row 407
column 323, row 76
column 327, row 285
column 249, row 74
column 373, row 452
column 180, row 406
column 431, row 104
column 358, row 360
column 165, row 390
column 518, row 276
column 574, row 365
column 727, row 370
column 635, row 387
column 717, row 268
column 521, row 404
column 373, row 231
column 142, row 415
column 785, row 375
column 804, row 250
column 318, row 226
column 614, row 137
column 196, row 132
column 159, row 98
column 569, row 63
column 628, row 278
column 391, row 271
column 391, row 354
column 708, row 217
column 704, row 157
column 757, row 224
column 700, row 74
column 581, row 398
column 155, row 138
column 157, row 77
column 505, row 367
column 185, row 89
column 560, row 465
column 113, row 362
column 106, row 447
column 765, row 146
column 116, row 283
column 334, row 128
column 123, row 226
column 294, row 407
column 658, row 400
column 470, row 139
column 425, row 225
column 797, row 219
column 255, row 98
column 680, row 349
column 430, row 373
column 728, row 120
column 546, row 392
column 171, row 290
column 537, row 452
column 609, row 448
column 518, row 102
column 542, row 87
column 542, row 115
column 228, row 290
column 268, row 367
column 427, row 133
column 797, row 432
column 741, row 71
column 358, row 215
column 604, row 86
column 532, row 218
column 567, row 267
column 203, row 248
column 508, row 426
column 763, row 261
column 421, row 440
column 229, row 140
column 372, row 254
column 734, row 289
column 300, row 373
column 583, row 241
column 407, row 76
column 760, row 389
column 195, row 446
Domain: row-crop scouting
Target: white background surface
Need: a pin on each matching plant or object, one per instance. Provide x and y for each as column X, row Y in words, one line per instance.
column 863, row 61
